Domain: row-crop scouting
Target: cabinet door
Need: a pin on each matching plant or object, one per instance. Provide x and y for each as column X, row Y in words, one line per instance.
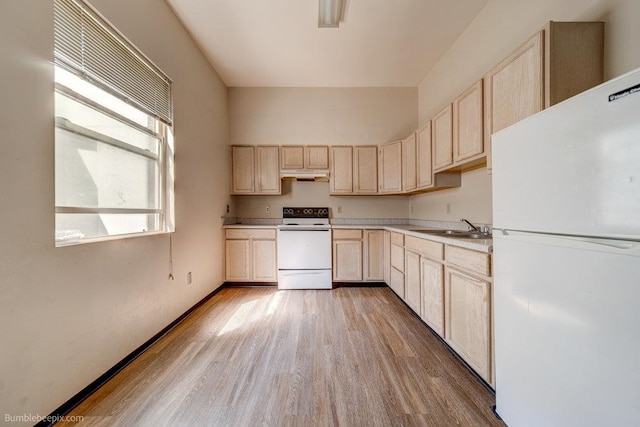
column 390, row 167
column 442, row 139
column 268, row 170
column 409, row 163
column 468, row 135
column 341, row 174
column 347, row 260
column 432, row 284
column 468, row 320
column 424, row 167
column 514, row 89
column 396, row 282
column 387, row 257
column 316, row 157
column 412, row 280
column 243, row 172
column 365, row 169
column 237, row 260
column 264, row 260
column 373, row 256
column 292, row 157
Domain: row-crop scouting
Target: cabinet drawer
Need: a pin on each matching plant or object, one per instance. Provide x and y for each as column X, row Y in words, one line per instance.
column 397, row 239
column 397, row 257
column 250, row 233
column 426, row 247
column 475, row 262
column 339, row 233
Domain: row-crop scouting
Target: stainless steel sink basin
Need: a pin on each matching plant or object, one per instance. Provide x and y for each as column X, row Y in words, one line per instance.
column 455, row 234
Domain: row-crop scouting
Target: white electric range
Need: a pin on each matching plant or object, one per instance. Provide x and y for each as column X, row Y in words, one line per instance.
column 304, row 249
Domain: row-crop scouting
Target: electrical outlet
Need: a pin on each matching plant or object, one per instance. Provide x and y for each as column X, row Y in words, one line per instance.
column 448, row 208
column 411, row 209
column 267, row 209
column 189, row 278
column 339, row 209
column 227, row 208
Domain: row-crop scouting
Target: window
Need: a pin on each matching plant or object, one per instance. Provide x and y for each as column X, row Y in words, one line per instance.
column 113, row 132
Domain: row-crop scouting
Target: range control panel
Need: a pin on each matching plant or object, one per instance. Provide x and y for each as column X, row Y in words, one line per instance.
column 305, row 213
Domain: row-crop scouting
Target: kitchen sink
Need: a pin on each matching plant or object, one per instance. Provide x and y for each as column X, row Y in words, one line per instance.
column 456, row 234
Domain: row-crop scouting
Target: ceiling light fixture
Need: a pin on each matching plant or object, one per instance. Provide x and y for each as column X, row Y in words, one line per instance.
column 330, row 13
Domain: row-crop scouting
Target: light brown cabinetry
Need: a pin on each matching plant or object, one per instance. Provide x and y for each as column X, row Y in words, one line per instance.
column 396, row 275
column 558, row 62
column 424, row 280
column 432, row 303
column 412, row 294
column 373, row 256
column 442, row 139
column 386, row 255
column 468, row 134
column 365, row 169
column 353, row 170
column 255, row 170
column 468, row 308
column 424, row 166
column 341, row 174
column 347, row 255
column 358, row 255
column 250, row 255
column 409, row 173
column 304, row 157
column 390, row 167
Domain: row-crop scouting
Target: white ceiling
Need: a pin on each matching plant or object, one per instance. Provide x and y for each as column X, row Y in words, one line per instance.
column 277, row 43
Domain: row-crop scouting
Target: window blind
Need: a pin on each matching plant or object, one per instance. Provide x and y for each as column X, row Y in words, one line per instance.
column 86, row 44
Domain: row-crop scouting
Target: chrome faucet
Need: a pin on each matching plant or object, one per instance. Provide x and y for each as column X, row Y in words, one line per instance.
column 471, row 226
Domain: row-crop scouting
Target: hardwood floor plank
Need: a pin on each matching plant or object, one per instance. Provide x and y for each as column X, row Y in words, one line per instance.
column 260, row 356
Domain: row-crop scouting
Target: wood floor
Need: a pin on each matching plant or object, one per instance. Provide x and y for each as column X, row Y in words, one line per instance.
column 259, row 356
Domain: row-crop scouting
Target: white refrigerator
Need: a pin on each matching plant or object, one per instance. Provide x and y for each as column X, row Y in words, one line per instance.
column 566, row 207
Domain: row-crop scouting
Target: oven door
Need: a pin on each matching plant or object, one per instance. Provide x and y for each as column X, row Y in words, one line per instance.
column 304, row 249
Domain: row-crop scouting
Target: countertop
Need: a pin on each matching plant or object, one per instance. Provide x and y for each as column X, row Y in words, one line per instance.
column 480, row 245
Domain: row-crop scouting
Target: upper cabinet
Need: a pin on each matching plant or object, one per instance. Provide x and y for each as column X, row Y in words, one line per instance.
column 390, row 167
column 468, row 135
column 424, row 167
column 316, row 157
column 442, row 139
column 409, row 163
column 255, row 170
column 341, row 172
column 365, row 169
column 353, row 170
column 292, row 157
column 304, row 157
column 562, row 60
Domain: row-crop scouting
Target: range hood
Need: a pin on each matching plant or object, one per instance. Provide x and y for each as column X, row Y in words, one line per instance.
column 305, row 175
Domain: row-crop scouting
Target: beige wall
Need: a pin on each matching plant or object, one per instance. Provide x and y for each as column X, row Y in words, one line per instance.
column 317, row 194
column 325, row 116
column 498, row 30
column 69, row 314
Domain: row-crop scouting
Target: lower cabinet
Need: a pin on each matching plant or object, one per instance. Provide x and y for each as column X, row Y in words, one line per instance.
column 396, row 263
column 412, row 293
column 373, row 256
column 250, row 255
column 432, row 287
column 347, row 255
column 468, row 319
column 358, row 255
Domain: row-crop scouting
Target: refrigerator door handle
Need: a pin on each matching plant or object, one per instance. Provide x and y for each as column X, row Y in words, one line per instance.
column 590, row 243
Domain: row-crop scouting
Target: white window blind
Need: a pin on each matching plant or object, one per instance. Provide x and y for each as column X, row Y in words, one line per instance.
column 89, row 47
